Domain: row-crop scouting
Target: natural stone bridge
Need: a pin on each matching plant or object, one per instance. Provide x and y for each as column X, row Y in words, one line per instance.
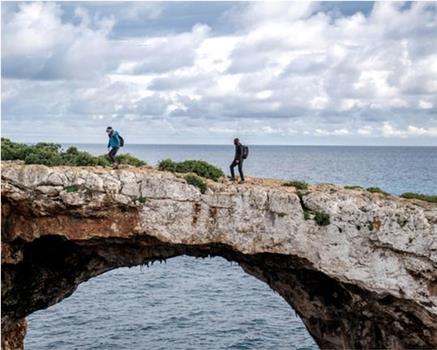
column 366, row 280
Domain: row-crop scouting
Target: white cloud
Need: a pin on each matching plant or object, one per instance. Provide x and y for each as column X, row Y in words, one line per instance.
column 287, row 65
column 336, row 132
column 140, row 10
column 425, row 104
column 389, row 130
column 365, row 131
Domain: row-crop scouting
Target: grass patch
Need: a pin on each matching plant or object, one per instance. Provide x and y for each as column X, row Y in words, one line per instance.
column 52, row 154
column 423, row 197
column 141, row 200
column 353, row 187
column 377, row 190
column 129, row 159
column 198, row 167
column 321, row 218
column 197, row 181
column 72, row 188
column 300, row 185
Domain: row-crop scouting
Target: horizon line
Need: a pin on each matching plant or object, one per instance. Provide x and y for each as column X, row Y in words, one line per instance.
column 253, row 144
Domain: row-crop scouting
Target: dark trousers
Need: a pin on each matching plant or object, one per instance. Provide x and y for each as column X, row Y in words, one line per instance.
column 240, row 169
column 112, row 154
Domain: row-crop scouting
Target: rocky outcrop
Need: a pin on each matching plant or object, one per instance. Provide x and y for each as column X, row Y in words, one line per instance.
column 366, row 280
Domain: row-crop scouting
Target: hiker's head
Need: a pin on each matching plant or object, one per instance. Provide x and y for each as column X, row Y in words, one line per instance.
column 236, row 141
column 109, row 130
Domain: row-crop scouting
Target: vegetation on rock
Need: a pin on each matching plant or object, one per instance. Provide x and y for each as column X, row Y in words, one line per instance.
column 198, row 167
column 377, row 190
column 52, row 154
column 321, row 218
column 353, row 187
column 197, row 181
column 300, row 185
column 141, row 200
column 424, row 197
column 72, row 188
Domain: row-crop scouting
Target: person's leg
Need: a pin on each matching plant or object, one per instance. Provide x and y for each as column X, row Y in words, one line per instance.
column 231, row 167
column 112, row 154
column 240, row 170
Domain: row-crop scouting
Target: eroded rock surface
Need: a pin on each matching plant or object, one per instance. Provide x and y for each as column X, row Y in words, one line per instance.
column 366, row 280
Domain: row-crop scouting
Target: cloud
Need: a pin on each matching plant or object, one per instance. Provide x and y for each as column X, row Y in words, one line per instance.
column 286, row 68
column 140, row 11
column 389, row 130
column 38, row 45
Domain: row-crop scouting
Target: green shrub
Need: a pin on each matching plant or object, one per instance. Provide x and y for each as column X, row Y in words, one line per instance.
column 197, row 181
column 51, row 154
column 141, row 199
column 377, row 190
column 198, row 167
column 13, row 151
column 300, row 185
column 424, row 197
column 127, row 158
column 321, row 218
column 72, row 188
column 103, row 160
column 167, row 165
column 353, row 187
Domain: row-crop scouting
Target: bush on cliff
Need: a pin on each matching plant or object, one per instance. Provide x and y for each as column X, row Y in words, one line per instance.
column 424, row 197
column 52, row 154
column 300, row 185
column 321, row 218
column 377, row 190
column 198, row 167
column 197, row 181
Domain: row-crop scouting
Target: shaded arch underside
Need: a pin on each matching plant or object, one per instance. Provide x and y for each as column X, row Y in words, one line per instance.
column 336, row 314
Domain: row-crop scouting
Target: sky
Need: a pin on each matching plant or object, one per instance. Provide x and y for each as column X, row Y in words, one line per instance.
column 328, row 73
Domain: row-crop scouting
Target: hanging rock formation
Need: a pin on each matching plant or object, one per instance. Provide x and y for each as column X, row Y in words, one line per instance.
column 366, row 280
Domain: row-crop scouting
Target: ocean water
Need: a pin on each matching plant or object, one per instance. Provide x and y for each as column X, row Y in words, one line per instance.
column 190, row 303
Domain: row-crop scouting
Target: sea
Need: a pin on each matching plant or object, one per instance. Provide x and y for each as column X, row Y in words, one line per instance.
column 189, row 303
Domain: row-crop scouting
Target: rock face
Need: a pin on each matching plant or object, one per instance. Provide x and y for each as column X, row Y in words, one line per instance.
column 366, row 280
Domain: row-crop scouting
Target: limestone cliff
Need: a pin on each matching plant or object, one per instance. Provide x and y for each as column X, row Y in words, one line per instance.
column 366, row 280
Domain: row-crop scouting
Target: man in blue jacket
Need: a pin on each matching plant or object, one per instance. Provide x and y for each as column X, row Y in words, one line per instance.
column 113, row 144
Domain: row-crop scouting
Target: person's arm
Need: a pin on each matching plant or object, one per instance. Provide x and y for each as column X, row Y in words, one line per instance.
column 109, row 142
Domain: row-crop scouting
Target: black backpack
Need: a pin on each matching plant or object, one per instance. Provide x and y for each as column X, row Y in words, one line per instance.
column 245, row 151
column 121, row 141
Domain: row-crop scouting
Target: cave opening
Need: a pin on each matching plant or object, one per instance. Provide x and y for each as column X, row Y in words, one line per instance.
column 112, row 297
column 182, row 303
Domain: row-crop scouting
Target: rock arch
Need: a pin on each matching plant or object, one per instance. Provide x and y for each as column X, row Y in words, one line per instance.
column 366, row 280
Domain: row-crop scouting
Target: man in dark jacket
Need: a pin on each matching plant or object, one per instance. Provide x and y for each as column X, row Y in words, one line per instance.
column 238, row 160
column 113, row 144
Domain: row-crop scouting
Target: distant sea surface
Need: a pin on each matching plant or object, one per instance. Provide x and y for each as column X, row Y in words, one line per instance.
column 190, row 303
